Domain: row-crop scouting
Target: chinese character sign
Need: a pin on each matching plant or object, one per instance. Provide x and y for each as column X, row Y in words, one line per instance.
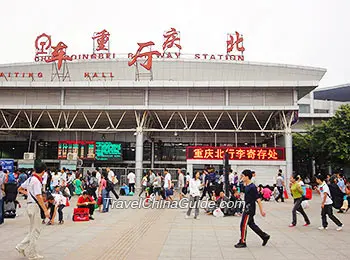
column 59, row 54
column 235, row 153
column 171, row 38
column 235, row 42
column 42, row 45
column 101, row 41
column 148, row 55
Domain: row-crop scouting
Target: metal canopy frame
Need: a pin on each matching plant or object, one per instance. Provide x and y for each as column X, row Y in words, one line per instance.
column 148, row 121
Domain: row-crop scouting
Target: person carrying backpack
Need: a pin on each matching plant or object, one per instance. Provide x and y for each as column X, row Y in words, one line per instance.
column 93, row 185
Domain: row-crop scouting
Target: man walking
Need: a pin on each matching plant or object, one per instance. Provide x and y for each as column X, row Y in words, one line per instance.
column 326, row 206
column 32, row 187
column 131, row 180
column 280, row 185
column 250, row 197
column 113, row 180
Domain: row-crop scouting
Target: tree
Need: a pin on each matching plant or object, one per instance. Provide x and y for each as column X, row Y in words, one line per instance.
column 327, row 143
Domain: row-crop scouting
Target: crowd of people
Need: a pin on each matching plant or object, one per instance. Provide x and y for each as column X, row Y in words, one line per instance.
column 49, row 192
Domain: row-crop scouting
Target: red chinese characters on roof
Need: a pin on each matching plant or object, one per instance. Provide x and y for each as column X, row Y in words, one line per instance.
column 102, row 39
column 148, row 55
column 59, row 54
column 171, row 38
column 235, row 153
column 235, row 42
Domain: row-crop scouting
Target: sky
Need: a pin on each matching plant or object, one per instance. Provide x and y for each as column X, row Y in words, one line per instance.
column 300, row 32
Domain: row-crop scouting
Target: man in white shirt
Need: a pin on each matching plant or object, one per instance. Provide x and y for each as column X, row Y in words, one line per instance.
column 113, row 179
column 131, row 180
column 167, row 183
column 326, row 204
column 98, row 175
column 32, row 188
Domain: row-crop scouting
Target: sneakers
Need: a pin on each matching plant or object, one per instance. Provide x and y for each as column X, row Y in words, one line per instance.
column 20, row 251
column 197, row 218
column 240, row 245
column 291, row 225
column 61, row 222
column 187, row 217
column 91, row 218
column 306, row 224
column 339, row 228
column 265, row 240
column 36, row 257
column 322, row 228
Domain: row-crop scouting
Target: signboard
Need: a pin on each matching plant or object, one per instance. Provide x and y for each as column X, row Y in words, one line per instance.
column 108, row 151
column 70, row 165
column 235, row 153
column 84, row 149
column 7, row 164
column 45, row 50
column 25, row 164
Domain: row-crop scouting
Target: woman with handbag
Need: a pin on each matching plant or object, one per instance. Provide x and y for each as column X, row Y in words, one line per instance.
column 297, row 194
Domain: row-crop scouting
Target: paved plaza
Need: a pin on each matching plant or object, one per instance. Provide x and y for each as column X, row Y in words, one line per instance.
column 165, row 234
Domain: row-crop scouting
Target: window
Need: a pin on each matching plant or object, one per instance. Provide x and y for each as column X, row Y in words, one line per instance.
column 321, row 111
column 304, row 108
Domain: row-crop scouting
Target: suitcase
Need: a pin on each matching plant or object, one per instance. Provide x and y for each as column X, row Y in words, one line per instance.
column 81, row 214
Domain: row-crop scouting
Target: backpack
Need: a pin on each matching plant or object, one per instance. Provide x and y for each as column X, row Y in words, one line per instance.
column 93, row 182
column 110, row 185
column 337, row 200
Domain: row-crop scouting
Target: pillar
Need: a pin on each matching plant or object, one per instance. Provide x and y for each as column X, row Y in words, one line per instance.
column 288, row 139
column 139, row 156
column 190, row 169
column 152, row 155
column 35, row 148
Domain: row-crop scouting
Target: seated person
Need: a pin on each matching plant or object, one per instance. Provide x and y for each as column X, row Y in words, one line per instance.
column 219, row 204
column 266, row 193
column 236, row 198
column 86, row 201
column 124, row 189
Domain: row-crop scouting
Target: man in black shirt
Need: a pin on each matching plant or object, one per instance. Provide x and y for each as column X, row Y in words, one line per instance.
column 250, row 197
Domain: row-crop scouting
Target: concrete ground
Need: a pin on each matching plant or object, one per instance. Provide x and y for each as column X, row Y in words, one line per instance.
column 165, row 234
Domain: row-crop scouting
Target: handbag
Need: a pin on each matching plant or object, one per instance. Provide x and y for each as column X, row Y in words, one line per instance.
column 99, row 200
column 308, row 194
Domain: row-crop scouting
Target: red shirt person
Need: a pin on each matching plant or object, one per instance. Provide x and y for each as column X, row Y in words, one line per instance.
column 86, row 201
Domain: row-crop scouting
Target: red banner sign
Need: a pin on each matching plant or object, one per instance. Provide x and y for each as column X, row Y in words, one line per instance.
column 235, row 153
